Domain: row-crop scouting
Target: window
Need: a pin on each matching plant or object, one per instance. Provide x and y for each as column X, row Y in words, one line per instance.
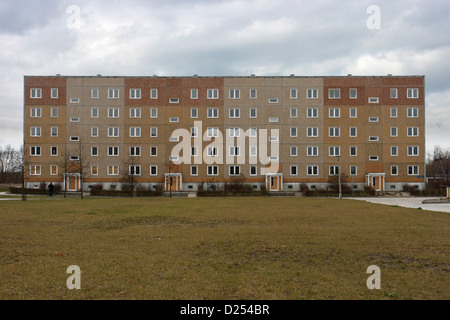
column 54, row 93
column 353, row 151
column 194, row 93
column 94, row 151
column 135, row 93
column 413, row 170
column 213, row 94
column 135, row 151
column 374, row 100
column 312, row 170
column 153, row 94
column 153, row 113
column 35, row 131
column 253, row 113
column 54, row 131
column 194, row 170
column 273, row 138
column 353, row 170
column 312, row 132
column 174, row 100
column 74, row 119
column 234, row 94
column 334, row 112
column 293, row 112
column 53, row 151
column 334, row 131
column 335, row 151
column 54, row 112
column 234, row 151
column 394, row 170
column 113, row 170
column 413, row 150
column 235, row 170
column 153, row 170
column 353, row 112
column 94, row 132
column 113, row 151
column 74, row 100
column 212, row 151
column 333, row 170
column 135, row 170
column 413, row 112
column 253, row 151
column 135, row 132
column 373, row 158
column 253, row 170
column 113, row 112
column 53, row 170
column 273, row 119
column 174, row 139
column 194, row 151
column 94, row 93
column 293, row 132
column 113, row 93
column 312, row 113
column 334, row 93
column 413, row 131
column 213, row 113
column 35, row 112
column 353, row 131
column 294, row 170
column 74, row 138
column 94, row 170
column 373, row 138
column 35, row 170
column 35, row 151
column 394, row 151
column 153, row 151
column 194, row 113
column 393, row 93
column 253, row 93
column 234, row 132
column 194, row 132
column 312, row 151
column 394, row 112
column 273, row 100
column 174, row 119
column 294, row 151
column 235, row 113
column 94, row 112
column 312, row 94
column 35, row 93
column 294, row 94
column 213, row 170
column 394, row 131
column 153, row 132
column 373, row 119
column 412, row 93
column 253, row 132
column 135, row 113
column 212, row 132
column 353, row 93
column 113, row 132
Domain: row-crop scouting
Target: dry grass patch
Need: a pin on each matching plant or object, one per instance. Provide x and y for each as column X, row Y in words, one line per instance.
column 221, row 248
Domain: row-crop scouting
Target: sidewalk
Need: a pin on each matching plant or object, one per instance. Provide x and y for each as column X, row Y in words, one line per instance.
column 409, row 202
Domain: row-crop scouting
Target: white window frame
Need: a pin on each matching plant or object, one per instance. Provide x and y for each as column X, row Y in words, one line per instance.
column 194, row 113
column 312, row 113
column 154, row 94
column 234, row 113
column 396, row 170
column 350, row 93
column 153, row 113
column 135, row 113
column 334, row 93
column 293, row 113
column 253, row 113
column 394, row 151
column 113, row 93
column 153, row 170
column 334, row 151
column 194, row 94
column 213, row 113
column 373, row 100
column 94, row 94
column 312, row 132
column 234, row 170
column 296, row 170
column 36, row 93
column 293, row 94
column 312, row 170
column 113, row 132
column 212, row 94
column 412, row 131
column 35, row 131
column 293, row 151
column 350, row 151
column 413, row 112
column 234, row 94
column 255, row 95
column 295, row 133
column 312, row 151
column 113, row 113
column 312, row 93
column 54, row 92
column 334, row 132
column 113, row 151
column 135, row 132
column 355, row 133
column 94, row 132
column 135, row 151
column 35, row 112
column 394, row 131
column 414, row 169
column 196, row 171
column 412, row 93
column 135, row 94
column 394, row 112
column 413, row 151
column 212, row 132
column 212, row 170
column 393, row 93
column 334, row 113
column 52, row 131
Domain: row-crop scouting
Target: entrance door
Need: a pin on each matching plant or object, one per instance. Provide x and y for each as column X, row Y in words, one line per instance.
column 274, row 182
column 72, row 183
column 173, row 182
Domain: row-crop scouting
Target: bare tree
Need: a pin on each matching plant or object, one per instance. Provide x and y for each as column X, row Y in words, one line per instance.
column 7, row 165
column 130, row 172
column 76, row 162
column 440, row 165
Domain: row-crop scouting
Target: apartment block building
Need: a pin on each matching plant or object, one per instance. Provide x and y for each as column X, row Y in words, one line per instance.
column 183, row 132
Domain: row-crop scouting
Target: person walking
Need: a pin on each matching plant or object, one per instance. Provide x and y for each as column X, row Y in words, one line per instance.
column 50, row 189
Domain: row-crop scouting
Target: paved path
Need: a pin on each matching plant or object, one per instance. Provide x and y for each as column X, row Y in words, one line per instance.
column 409, row 202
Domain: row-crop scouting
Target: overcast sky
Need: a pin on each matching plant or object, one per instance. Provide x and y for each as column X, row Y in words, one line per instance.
column 225, row 38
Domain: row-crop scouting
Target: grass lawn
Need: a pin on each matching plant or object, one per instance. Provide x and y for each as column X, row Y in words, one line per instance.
column 221, row 248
